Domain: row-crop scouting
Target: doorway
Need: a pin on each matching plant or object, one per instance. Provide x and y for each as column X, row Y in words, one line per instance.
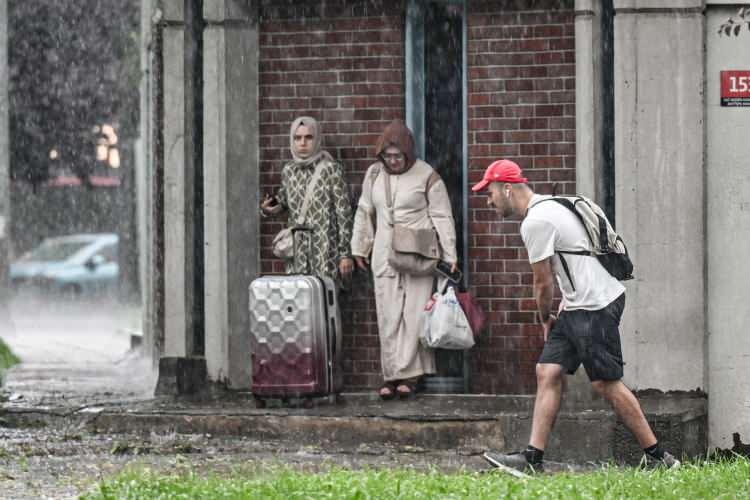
column 436, row 113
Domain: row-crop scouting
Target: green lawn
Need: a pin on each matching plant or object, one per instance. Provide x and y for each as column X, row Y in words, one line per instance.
column 7, row 359
column 727, row 479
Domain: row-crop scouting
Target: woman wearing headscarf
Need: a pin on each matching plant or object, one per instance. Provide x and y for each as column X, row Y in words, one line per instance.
column 419, row 202
column 328, row 212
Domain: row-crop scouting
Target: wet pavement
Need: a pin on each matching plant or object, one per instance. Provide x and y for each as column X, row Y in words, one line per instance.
column 80, row 408
column 76, row 365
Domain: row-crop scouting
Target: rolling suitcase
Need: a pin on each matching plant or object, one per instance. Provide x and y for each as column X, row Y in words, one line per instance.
column 295, row 337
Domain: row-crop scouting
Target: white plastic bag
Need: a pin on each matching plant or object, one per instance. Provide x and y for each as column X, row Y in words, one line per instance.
column 445, row 324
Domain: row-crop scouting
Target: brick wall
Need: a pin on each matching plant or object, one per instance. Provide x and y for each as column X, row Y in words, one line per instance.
column 521, row 106
column 342, row 62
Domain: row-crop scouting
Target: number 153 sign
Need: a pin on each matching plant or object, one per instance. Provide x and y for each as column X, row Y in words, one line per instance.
column 735, row 88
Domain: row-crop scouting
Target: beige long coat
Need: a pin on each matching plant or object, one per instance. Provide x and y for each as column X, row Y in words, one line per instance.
column 400, row 298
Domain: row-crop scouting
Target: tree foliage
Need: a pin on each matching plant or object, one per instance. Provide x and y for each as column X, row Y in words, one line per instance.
column 733, row 25
column 73, row 65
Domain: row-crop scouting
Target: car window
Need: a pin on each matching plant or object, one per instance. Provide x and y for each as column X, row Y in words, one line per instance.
column 50, row 251
column 109, row 253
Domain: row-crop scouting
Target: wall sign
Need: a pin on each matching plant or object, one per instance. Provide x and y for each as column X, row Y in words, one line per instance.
column 735, row 88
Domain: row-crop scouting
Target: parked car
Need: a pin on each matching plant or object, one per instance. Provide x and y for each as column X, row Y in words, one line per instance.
column 73, row 265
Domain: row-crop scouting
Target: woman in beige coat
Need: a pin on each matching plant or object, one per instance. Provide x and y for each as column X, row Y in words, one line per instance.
column 400, row 298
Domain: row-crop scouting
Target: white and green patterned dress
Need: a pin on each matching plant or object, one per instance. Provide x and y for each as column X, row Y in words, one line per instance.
column 329, row 215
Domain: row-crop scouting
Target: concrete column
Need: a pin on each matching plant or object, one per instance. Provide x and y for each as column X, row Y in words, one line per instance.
column 5, row 323
column 144, row 185
column 588, row 97
column 659, row 148
column 230, row 156
column 728, row 225
column 179, row 264
column 588, row 137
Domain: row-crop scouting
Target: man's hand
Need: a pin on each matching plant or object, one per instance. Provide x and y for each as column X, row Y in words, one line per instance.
column 346, row 266
column 547, row 325
column 362, row 262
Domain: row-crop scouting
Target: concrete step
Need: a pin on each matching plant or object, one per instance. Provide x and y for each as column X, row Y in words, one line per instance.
column 469, row 424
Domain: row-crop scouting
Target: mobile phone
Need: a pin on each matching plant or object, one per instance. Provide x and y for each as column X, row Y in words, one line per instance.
column 445, row 269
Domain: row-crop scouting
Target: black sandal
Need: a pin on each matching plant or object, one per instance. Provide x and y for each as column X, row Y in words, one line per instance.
column 390, row 387
column 411, row 386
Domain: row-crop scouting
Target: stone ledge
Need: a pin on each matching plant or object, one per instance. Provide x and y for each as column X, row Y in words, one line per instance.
column 468, row 424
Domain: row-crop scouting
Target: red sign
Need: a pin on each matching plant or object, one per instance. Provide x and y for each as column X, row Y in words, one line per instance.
column 735, row 88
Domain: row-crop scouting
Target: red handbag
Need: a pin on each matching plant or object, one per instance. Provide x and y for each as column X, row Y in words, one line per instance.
column 473, row 311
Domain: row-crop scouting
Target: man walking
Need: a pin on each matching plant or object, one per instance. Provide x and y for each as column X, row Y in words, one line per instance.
column 587, row 330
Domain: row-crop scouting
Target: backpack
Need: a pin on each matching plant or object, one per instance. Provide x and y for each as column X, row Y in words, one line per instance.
column 609, row 248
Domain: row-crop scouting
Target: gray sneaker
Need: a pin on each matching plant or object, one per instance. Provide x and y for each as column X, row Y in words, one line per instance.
column 668, row 461
column 512, row 462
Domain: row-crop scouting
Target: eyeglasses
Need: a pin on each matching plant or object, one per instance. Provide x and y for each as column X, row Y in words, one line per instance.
column 393, row 157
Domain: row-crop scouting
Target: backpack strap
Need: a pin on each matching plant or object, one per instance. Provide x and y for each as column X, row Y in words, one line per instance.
column 603, row 240
column 570, row 206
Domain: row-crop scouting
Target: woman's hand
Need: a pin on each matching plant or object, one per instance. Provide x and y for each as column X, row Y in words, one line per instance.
column 270, row 205
column 362, row 262
column 346, row 266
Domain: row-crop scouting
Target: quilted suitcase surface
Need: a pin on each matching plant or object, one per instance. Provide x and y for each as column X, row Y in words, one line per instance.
column 295, row 340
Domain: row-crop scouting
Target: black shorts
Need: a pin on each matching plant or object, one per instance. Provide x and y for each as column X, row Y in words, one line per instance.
column 588, row 337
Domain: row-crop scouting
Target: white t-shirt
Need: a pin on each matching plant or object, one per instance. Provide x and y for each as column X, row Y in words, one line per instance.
column 551, row 227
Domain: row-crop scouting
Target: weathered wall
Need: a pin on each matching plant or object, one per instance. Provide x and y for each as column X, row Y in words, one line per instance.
column 659, row 150
column 343, row 62
column 728, row 237
column 521, row 106
column 4, row 169
column 230, row 154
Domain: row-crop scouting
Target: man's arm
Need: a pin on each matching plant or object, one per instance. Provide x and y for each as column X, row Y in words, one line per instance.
column 544, row 291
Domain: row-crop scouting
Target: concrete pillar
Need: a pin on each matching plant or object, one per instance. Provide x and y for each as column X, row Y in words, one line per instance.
column 230, row 156
column 144, row 185
column 588, row 137
column 588, row 97
column 179, row 177
column 728, row 225
column 5, row 323
column 659, row 148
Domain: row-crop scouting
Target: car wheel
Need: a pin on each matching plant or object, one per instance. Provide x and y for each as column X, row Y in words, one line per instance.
column 71, row 291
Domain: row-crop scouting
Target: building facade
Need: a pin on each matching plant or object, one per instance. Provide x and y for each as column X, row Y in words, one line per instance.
column 613, row 99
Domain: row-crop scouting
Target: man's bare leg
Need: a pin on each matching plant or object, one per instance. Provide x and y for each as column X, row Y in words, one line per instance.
column 627, row 408
column 549, row 379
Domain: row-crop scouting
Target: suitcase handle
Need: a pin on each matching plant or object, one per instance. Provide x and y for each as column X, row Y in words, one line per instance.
column 295, row 230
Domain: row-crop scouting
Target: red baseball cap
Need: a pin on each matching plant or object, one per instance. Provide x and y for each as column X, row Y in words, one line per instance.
column 501, row 171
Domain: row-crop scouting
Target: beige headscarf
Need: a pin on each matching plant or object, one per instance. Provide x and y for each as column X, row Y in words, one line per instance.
column 316, row 153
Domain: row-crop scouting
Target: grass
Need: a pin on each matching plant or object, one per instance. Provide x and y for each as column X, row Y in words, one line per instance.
column 7, row 359
column 727, row 479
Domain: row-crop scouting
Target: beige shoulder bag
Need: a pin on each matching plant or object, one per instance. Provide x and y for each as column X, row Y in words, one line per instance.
column 283, row 242
column 413, row 251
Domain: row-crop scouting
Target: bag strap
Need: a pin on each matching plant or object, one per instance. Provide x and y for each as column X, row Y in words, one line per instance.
column 431, row 180
column 308, row 193
column 570, row 206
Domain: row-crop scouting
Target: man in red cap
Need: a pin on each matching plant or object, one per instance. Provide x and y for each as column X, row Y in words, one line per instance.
column 587, row 330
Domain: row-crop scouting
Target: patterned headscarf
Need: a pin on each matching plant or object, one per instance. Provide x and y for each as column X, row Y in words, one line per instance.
column 397, row 134
column 316, row 153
